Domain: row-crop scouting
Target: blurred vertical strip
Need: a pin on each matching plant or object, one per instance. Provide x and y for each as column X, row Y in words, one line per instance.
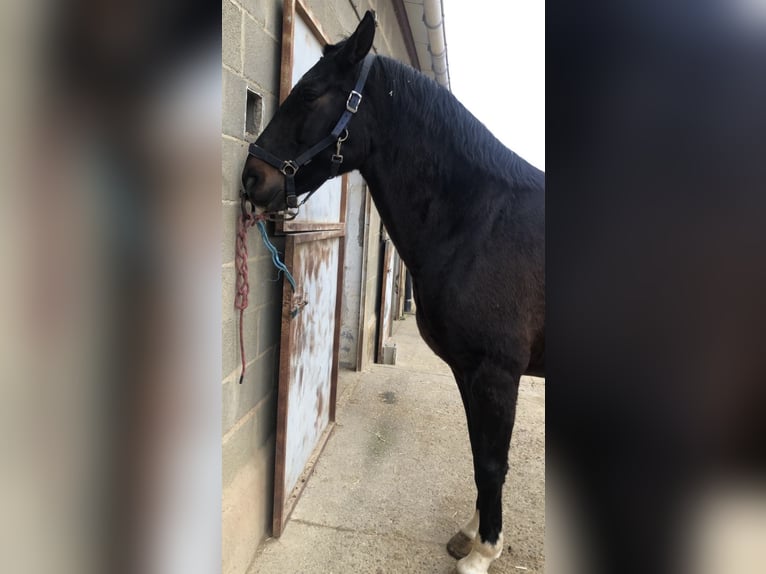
column 111, row 343
column 656, row 212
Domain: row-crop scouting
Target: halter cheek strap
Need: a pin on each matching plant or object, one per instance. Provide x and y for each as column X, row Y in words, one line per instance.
column 338, row 135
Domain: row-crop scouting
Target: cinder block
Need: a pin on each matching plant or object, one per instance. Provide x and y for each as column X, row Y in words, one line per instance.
column 242, row 445
column 233, row 156
column 234, row 99
column 230, row 350
column 260, row 380
column 247, row 505
column 274, row 18
column 230, row 337
column 257, row 9
column 231, row 35
column 268, row 14
column 230, row 213
column 262, row 57
column 229, row 289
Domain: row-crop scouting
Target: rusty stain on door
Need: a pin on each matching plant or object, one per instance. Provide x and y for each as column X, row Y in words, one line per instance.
column 308, row 362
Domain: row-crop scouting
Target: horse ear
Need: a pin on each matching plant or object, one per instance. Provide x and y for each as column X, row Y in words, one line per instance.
column 360, row 42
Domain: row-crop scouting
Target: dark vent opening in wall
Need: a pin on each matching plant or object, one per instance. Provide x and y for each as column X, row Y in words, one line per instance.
column 253, row 113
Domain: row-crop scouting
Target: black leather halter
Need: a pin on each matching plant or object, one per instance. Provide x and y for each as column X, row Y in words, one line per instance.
column 291, row 166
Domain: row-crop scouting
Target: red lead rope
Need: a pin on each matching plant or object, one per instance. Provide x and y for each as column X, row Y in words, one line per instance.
column 246, row 220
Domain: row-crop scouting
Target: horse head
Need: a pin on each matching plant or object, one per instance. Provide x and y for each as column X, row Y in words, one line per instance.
column 318, row 131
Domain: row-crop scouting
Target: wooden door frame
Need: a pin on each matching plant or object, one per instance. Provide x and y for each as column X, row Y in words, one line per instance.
column 297, row 9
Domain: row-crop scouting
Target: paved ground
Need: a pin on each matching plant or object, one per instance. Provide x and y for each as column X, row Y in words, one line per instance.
column 395, row 480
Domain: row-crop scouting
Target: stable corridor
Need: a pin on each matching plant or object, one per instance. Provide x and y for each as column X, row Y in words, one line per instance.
column 395, row 480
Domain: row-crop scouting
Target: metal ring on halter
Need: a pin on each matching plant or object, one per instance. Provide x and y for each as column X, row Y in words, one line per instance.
column 344, row 137
column 289, row 168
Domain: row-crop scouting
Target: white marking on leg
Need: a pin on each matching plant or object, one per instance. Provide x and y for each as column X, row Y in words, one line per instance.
column 480, row 558
column 472, row 527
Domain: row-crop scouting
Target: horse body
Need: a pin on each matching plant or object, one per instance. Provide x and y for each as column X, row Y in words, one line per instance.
column 467, row 217
column 470, row 227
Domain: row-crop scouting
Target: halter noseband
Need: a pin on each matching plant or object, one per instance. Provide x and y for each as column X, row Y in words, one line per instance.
column 290, row 167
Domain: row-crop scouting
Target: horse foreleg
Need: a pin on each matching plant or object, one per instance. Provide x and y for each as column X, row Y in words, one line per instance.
column 461, row 543
column 492, row 402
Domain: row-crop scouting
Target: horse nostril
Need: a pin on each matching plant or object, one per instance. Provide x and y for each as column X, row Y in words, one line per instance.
column 251, row 181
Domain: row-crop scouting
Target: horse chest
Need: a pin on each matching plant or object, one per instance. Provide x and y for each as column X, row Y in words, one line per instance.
column 437, row 327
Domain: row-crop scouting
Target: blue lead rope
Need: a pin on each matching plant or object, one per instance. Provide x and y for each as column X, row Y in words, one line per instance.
column 275, row 254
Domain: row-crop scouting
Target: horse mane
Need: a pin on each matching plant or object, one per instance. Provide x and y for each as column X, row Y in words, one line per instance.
column 442, row 115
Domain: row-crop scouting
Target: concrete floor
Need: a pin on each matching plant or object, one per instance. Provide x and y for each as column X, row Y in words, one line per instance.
column 395, row 481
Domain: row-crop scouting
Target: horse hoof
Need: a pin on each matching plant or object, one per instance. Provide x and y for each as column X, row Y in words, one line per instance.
column 459, row 545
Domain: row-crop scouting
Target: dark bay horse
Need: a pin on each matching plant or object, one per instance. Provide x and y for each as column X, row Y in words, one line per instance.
column 465, row 213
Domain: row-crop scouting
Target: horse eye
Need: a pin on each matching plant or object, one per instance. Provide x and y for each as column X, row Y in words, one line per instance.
column 309, row 95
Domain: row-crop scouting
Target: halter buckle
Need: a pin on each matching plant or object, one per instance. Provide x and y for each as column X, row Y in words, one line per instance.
column 353, row 101
column 289, row 168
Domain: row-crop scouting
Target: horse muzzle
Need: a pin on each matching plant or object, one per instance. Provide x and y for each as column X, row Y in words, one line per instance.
column 264, row 185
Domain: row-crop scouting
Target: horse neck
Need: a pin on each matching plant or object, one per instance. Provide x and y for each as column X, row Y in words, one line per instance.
column 419, row 166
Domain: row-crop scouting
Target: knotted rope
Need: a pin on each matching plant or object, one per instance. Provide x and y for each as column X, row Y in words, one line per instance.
column 247, row 220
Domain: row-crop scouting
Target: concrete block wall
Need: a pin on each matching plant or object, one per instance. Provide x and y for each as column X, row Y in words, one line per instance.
column 251, row 53
column 251, row 32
